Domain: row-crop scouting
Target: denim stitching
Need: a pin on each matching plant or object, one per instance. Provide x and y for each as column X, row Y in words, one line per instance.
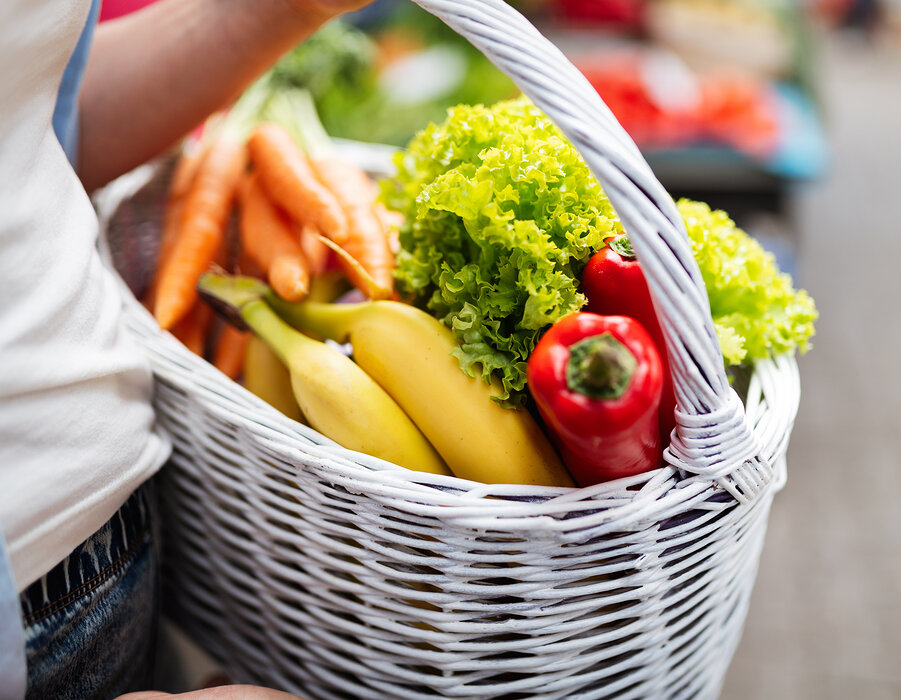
column 103, row 576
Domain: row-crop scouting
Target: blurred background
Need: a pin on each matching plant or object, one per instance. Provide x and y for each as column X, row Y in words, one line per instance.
column 787, row 114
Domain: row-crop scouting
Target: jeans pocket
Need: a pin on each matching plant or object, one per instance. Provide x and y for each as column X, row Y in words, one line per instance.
column 90, row 626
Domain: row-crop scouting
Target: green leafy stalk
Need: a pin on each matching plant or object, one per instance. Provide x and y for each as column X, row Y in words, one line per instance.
column 243, row 115
column 294, row 109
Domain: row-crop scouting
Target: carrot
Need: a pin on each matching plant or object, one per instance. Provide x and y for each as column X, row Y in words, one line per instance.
column 367, row 240
column 187, row 164
column 349, row 183
column 231, row 347
column 351, row 268
column 189, row 159
column 193, row 327
column 375, row 258
column 391, row 223
column 203, row 223
column 268, row 239
column 289, row 277
column 288, row 177
column 317, row 253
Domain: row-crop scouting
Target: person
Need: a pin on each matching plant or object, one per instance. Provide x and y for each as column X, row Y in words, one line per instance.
column 78, row 439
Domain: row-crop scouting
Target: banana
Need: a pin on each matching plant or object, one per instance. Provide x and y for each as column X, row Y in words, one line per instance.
column 267, row 377
column 334, row 394
column 408, row 352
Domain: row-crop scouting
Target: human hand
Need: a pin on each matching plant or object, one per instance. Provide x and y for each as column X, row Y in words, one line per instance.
column 225, row 692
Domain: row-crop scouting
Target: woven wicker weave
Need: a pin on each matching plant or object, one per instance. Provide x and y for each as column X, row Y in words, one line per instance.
column 301, row 565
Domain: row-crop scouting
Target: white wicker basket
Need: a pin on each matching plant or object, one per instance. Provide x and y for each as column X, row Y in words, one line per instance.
column 304, row 566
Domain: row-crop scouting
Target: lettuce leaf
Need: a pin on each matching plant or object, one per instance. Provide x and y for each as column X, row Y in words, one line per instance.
column 503, row 214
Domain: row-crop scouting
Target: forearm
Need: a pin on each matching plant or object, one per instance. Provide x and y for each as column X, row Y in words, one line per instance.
column 154, row 75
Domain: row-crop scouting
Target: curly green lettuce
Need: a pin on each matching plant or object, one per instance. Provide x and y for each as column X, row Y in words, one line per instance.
column 503, row 214
column 756, row 310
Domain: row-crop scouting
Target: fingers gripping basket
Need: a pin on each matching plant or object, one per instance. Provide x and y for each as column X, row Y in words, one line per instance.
column 304, row 566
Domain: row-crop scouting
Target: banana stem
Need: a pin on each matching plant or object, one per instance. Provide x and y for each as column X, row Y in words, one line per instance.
column 222, row 291
column 332, row 321
column 241, row 301
column 278, row 335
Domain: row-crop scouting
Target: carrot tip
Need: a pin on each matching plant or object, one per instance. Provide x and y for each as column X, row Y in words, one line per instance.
column 295, row 293
column 165, row 320
column 169, row 311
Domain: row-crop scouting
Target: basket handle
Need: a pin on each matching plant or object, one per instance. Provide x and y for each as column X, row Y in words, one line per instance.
column 712, row 439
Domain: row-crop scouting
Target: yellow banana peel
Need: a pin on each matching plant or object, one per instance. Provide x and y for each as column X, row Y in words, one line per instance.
column 408, row 352
column 334, row 394
column 267, row 377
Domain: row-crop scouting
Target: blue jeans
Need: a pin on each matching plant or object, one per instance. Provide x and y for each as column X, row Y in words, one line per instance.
column 91, row 622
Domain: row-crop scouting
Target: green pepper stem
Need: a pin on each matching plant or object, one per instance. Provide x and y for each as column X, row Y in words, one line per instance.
column 600, row 366
column 622, row 246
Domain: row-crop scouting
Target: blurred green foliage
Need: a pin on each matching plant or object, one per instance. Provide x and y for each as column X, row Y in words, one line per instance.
column 340, row 67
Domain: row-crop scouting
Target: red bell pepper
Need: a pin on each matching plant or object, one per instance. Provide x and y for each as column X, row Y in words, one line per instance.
column 614, row 283
column 596, row 381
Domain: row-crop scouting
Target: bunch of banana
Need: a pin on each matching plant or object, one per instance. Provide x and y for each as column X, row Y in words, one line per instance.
column 265, row 375
column 406, row 355
column 334, row 394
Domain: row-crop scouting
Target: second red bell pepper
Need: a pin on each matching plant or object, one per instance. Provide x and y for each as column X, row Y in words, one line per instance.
column 614, row 283
column 596, row 381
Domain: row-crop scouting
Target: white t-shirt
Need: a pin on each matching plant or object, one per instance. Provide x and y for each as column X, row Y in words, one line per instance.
column 77, row 432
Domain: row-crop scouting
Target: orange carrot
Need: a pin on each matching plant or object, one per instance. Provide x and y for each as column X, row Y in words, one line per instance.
column 288, row 177
column 317, row 254
column 391, row 223
column 187, row 164
column 269, row 240
column 374, row 256
column 349, row 183
column 231, row 347
column 289, row 277
column 193, row 327
column 350, row 267
column 189, row 159
column 202, row 228
column 367, row 240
